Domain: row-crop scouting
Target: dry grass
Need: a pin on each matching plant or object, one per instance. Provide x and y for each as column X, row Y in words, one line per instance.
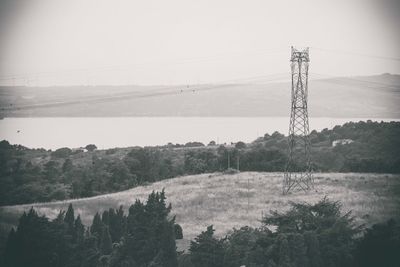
column 228, row 201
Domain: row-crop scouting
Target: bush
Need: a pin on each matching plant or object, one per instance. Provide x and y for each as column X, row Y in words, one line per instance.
column 91, row 147
column 62, row 152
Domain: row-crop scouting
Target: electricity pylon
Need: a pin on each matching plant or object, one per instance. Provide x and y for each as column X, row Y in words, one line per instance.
column 298, row 173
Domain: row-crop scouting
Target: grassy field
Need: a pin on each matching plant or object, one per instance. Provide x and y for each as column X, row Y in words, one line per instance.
column 228, row 201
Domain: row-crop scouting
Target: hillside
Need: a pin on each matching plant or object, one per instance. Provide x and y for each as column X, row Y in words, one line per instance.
column 348, row 97
column 228, row 201
column 38, row 175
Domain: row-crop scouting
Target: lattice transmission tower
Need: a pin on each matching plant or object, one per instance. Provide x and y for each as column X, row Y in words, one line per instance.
column 298, row 172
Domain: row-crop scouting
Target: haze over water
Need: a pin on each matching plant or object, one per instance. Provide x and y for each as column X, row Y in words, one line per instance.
column 53, row 133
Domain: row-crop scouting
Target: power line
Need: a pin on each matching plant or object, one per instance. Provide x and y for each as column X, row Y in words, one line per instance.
column 163, row 91
column 138, row 66
column 347, row 81
column 355, row 53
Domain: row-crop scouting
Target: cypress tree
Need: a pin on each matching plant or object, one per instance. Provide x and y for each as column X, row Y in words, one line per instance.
column 284, row 251
column 178, row 231
column 117, row 224
column 105, row 242
column 69, row 216
column 313, row 249
column 69, row 219
column 97, row 226
column 11, row 249
column 90, row 252
column 206, row 250
column 168, row 245
column 105, row 218
column 298, row 250
column 271, row 263
column 79, row 230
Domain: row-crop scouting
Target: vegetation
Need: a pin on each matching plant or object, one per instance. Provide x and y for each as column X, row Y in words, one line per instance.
column 306, row 235
column 37, row 175
column 144, row 237
column 233, row 200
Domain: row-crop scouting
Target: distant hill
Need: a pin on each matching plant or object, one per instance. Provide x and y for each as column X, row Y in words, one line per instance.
column 348, row 97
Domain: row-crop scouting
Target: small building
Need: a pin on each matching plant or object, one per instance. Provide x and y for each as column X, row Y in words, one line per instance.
column 342, row 142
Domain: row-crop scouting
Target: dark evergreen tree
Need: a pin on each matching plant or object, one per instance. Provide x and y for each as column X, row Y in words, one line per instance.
column 67, row 165
column 70, row 219
column 69, row 215
column 105, row 218
column 298, row 250
column 178, row 231
column 313, row 249
column 241, row 246
column 33, row 244
column 96, row 228
column 284, row 251
column 206, row 250
column 105, row 242
column 335, row 231
column 149, row 234
column 11, row 252
column 117, row 224
column 79, row 230
column 380, row 246
column 90, row 253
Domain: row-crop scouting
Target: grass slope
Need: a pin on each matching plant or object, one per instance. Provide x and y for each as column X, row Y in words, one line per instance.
column 228, row 201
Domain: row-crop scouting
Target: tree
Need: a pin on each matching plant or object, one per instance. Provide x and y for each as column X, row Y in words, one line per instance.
column 90, row 253
column 178, row 231
column 69, row 215
column 149, row 234
column 240, row 245
column 32, row 244
column 105, row 217
column 79, row 230
column 284, row 251
column 97, row 226
column 67, row 165
column 105, row 242
column 335, row 231
column 240, row 145
column 117, row 224
column 11, row 250
column 91, row 147
column 212, row 143
column 298, row 250
column 206, row 250
column 379, row 246
column 62, row 152
column 313, row 249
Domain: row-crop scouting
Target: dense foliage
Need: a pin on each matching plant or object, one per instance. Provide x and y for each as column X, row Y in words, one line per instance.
column 145, row 237
column 36, row 175
column 306, row 235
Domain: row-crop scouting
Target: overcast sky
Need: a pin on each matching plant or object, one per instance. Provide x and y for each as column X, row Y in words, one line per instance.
column 93, row 42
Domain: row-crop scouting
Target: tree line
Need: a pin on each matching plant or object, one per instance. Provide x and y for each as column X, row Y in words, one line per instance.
column 37, row 175
column 307, row 235
column 143, row 237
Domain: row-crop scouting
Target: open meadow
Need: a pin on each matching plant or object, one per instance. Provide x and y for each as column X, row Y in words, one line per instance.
column 227, row 201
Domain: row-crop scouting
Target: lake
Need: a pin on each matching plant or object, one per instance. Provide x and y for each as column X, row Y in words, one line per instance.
column 53, row 133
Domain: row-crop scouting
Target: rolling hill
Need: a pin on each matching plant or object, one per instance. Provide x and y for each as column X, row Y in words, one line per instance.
column 228, row 201
column 348, row 97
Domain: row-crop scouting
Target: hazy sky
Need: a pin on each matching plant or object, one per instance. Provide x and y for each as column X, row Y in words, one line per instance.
column 45, row 42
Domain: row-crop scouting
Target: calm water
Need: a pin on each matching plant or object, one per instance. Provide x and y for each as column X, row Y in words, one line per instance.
column 52, row 133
